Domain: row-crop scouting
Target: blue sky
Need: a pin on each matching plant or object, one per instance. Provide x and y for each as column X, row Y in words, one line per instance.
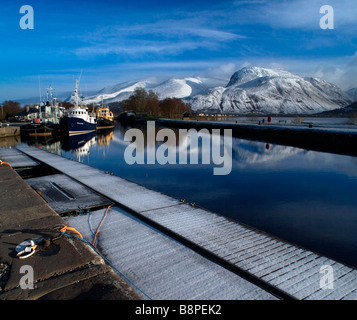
column 108, row 42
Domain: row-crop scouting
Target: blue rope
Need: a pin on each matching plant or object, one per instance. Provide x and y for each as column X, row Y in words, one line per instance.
column 106, row 260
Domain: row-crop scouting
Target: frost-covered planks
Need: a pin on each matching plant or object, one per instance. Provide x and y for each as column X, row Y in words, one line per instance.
column 290, row 268
column 131, row 195
column 282, row 265
column 64, row 194
column 159, row 265
column 16, row 158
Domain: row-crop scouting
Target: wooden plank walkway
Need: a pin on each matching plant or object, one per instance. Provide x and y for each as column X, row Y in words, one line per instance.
column 65, row 269
column 64, row 195
column 273, row 262
column 16, row 158
column 162, row 268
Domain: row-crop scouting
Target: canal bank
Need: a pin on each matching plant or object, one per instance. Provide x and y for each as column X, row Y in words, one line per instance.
column 9, row 131
column 62, row 268
column 340, row 141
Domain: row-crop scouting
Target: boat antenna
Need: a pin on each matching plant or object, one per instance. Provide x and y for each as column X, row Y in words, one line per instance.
column 76, row 94
column 39, row 88
column 80, row 76
column 79, row 81
column 51, row 93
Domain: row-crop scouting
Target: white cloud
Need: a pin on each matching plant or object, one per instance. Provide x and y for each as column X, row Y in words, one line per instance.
column 135, row 48
column 169, row 37
column 302, row 14
column 223, row 71
column 341, row 74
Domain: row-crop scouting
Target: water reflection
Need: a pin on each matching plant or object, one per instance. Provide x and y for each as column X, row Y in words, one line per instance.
column 10, row 141
column 105, row 137
column 305, row 197
column 79, row 145
column 244, row 152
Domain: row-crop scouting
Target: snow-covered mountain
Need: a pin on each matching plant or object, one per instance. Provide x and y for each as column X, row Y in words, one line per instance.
column 267, row 91
column 170, row 88
column 249, row 90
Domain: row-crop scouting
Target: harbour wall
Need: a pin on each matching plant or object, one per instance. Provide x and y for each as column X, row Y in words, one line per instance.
column 9, row 132
column 340, row 141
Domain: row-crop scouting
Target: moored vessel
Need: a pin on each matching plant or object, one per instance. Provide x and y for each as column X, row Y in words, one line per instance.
column 78, row 120
column 105, row 118
column 45, row 119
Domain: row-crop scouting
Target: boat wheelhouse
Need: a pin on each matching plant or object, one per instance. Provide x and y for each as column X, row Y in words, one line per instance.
column 105, row 118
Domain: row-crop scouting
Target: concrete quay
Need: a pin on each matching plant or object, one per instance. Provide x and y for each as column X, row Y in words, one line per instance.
column 64, row 268
column 319, row 139
column 9, row 131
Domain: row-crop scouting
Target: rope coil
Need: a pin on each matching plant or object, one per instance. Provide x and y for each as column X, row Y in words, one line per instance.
column 28, row 251
column 4, row 163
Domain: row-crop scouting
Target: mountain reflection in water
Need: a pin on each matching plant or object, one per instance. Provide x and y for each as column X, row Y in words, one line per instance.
column 305, row 197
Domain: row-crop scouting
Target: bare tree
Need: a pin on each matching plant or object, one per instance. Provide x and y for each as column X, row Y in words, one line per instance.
column 149, row 103
column 10, row 108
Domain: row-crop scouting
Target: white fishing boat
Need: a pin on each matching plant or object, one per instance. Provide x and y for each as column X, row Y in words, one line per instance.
column 78, row 120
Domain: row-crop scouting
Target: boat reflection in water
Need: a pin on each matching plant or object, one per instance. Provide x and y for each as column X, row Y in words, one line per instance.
column 79, row 145
column 105, row 137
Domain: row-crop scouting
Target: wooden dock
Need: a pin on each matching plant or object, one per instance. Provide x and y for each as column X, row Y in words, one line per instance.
column 63, row 268
column 64, row 195
column 17, row 158
column 280, row 268
column 164, row 269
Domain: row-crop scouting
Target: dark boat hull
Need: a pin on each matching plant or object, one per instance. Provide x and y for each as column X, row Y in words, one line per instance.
column 103, row 123
column 40, row 130
column 127, row 118
column 77, row 126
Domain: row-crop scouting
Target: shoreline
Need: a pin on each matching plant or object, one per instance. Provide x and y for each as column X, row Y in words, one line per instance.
column 337, row 141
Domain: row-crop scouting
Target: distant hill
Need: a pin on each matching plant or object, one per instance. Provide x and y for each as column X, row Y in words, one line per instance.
column 169, row 88
column 341, row 112
column 352, row 93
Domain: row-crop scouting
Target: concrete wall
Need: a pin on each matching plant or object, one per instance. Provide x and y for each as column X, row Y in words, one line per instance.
column 9, row 132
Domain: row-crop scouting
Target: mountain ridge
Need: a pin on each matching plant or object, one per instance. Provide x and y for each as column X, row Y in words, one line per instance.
column 262, row 90
column 249, row 90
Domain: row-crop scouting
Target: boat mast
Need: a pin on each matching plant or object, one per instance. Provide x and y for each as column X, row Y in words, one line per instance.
column 76, row 95
column 39, row 89
column 51, row 94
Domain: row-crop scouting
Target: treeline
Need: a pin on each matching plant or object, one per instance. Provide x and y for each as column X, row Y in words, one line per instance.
column 148, row 102
column 9, row 109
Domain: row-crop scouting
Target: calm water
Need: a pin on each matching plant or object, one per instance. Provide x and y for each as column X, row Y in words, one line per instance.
column 306, row 197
